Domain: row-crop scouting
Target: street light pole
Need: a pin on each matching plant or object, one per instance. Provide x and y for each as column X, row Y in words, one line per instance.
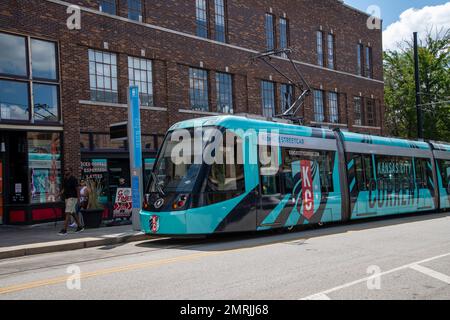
column 417, row 80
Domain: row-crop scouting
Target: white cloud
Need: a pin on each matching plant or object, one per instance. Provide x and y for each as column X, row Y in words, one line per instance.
column 419, row 20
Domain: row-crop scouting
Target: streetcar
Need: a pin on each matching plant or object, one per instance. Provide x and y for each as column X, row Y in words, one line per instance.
column 274, row 175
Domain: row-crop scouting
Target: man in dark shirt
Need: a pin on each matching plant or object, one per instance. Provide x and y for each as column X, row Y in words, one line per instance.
column 70, row 193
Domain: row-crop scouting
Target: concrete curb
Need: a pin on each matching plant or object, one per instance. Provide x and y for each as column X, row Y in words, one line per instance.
column 68, row 245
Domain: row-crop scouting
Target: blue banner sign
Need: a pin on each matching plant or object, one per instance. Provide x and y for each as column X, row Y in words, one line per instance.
column 136, row 127
column 136, row 197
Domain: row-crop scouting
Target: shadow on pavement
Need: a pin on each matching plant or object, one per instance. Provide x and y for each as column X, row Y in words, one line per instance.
column 233, row 241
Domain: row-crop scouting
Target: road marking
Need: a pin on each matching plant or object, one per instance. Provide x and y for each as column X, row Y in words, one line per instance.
column 132, row 267
column 320, row 296
column 58, row 280
column 350, row 284
column 431, row 273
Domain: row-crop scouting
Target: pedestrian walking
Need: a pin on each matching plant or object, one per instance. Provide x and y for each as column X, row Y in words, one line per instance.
column 70, row 192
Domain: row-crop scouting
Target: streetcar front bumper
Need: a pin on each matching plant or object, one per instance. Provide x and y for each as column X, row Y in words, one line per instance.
column 163, row 223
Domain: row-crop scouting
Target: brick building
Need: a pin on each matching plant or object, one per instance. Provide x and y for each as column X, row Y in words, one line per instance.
column 61, row 88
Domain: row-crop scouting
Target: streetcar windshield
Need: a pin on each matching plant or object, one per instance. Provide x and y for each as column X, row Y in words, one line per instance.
column 171, row 173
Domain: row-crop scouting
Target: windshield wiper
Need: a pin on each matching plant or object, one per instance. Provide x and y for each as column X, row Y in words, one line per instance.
column 158, row 184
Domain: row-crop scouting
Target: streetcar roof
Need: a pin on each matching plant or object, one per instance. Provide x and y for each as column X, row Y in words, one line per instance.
column 441, row 146
column 244, row 123
column 384, row 141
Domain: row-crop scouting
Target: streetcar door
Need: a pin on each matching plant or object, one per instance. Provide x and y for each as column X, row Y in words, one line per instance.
column 270, row 187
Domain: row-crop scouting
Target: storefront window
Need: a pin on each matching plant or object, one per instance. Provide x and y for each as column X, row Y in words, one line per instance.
column 96, row 170
column 103, row 142
column 148, row 143
column 44, row 162
column 85, row 141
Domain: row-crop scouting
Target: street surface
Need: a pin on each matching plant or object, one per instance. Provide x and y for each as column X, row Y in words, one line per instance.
column 400, row 258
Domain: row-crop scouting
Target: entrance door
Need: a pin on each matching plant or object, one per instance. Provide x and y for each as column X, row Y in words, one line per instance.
column 118, row 169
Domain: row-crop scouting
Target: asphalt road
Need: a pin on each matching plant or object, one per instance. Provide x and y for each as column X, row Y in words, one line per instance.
column 401, row 258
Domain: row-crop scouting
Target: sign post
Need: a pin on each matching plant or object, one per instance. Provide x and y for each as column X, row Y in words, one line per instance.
column 135, row 147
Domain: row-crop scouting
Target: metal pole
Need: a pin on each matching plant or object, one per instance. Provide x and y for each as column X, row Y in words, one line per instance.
column 417, row 79
column 135, row 148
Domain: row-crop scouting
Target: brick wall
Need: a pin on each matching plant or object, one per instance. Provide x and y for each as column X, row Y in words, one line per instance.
column 173, row 53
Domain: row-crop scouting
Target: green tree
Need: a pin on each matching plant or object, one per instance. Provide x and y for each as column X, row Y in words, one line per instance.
column 400, row 101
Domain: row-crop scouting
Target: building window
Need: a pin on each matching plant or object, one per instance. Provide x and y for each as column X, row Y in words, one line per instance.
column 103, row 76
column 14, row 100
column 43, row 56
column 284, row 35
column 319, row 115
column 108, row 6
column 202, row 18
column 320, row 55
column 224, row 84
column 331, row 63
column 333, row 105
column 368, row 62
column 46, row 102
column 359, row 57
column 198, row 84
column 270, row 32
column 220, row 20
column 357, row 102
column 286, row 96
column 370, row 112
column 268, row 98
column 135, row 10
column 140, row 74
column 21, row 87
column 13, row 60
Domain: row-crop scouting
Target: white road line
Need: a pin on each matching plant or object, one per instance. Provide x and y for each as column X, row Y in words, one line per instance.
column 431, row 273
column 350, row 284
column 319, row 296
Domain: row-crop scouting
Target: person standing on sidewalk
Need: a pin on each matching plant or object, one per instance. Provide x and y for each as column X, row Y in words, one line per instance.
column 70, row 194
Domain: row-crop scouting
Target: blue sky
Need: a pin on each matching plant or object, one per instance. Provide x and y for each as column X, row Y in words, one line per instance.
column 391, row 9
column 403, row 17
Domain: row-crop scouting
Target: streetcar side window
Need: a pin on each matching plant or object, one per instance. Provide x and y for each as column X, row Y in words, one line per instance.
column 444, row 168
column 227, row 174
column 421, row 172
column 291, row 164
column 393, row 172
column 359, row 172
column 270, row 173
column 363, row 171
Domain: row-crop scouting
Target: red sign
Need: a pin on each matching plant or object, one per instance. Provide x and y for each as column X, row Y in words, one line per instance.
column 123, row 206
column 307, row 189
column 155, row 224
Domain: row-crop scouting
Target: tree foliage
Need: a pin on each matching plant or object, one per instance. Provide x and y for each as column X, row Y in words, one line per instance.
column 400, row 101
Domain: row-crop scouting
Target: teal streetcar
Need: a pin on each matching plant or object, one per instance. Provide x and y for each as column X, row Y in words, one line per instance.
column 268, row 175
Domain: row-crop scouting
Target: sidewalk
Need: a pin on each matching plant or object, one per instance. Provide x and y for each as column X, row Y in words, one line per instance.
column 21, row 241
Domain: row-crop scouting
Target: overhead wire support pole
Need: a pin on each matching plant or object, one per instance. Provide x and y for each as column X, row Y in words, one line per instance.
column 417, row 82
column 290, row 112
